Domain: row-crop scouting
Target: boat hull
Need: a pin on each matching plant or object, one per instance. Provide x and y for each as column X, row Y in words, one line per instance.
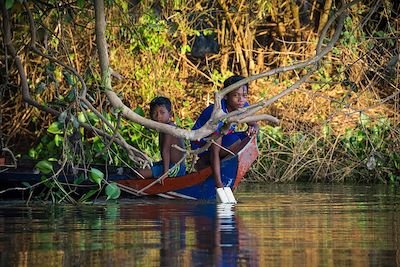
column 200, row 185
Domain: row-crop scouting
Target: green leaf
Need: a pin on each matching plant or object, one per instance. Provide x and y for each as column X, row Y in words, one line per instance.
column 137, row 127
column 92, row 117
column 81, row 117
column 88, row 195
column 50, row 147
column 139, row 110
column 9, row 4
column 46, row 182
column 326, row 130
column 75, row 122
column 68, row 77
column 112, row 191
column 360, row 136
column 44, row 166
column 185, row 49
column 81, row 3
column 364, row 118
column 135, row 137
column 115, row 111
column 56, row 128
column 27, row 185
column 71, row 95
column 58, row 140
column 96, row 175
column 79, row 179
column 32, row 153
column 40, row 87
column 62, row 117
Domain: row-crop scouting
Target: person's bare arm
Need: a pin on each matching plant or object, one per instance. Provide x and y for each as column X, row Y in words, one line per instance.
column 216, row 162
column 166, row 151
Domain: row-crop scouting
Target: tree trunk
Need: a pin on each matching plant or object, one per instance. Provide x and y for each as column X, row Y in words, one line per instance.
column 324, row 16
column 295, row 11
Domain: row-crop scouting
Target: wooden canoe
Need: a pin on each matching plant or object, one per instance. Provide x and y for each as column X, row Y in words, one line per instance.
column 199, row 185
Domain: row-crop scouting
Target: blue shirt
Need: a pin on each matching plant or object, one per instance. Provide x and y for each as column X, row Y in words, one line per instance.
column 205, row 116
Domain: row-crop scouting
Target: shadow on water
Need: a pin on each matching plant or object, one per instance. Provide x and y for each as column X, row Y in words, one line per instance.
column 272, row 225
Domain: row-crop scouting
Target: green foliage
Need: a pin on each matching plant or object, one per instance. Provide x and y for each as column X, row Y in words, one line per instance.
column 219, row 78
column 149, row 34
column 185, row 123
column 349, row 38
column 59, row 134
column 64, row 136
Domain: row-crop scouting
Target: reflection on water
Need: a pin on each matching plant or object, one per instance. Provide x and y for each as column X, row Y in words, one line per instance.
column 272, row 225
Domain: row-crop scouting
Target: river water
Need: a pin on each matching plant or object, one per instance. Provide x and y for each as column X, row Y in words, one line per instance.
column 272, row 225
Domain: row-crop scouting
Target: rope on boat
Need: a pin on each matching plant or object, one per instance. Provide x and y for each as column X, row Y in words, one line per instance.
column 162, row 177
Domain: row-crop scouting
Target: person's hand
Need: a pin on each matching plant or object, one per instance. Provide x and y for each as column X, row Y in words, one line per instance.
column 219, row 184
column 252, row 130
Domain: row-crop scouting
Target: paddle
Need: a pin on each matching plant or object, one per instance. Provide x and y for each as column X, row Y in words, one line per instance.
column 225, row 195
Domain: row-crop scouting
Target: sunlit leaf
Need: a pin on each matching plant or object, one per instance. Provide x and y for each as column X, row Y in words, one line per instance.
column 56, row 128
column 33, row 153
column 96, row 175
column 139, row 110
column 365, row 120
column 58, row 140
column 92, row 117
column 326, row 131
column 112, row 191
column 135, row 137
column 81, row 117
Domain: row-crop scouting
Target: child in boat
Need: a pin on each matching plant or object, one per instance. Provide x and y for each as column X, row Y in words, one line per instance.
column 232, row 101
column 161, row 111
